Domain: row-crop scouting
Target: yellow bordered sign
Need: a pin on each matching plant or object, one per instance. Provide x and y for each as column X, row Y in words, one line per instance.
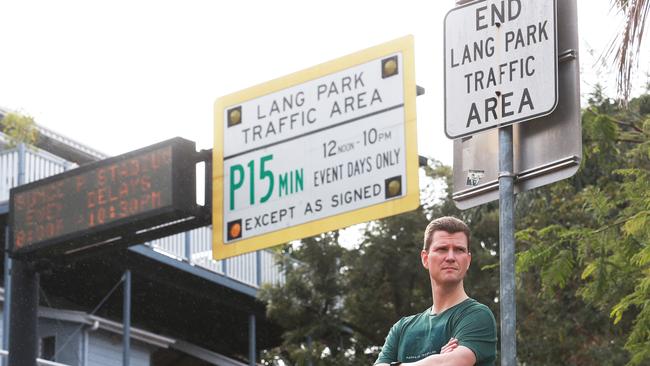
column 317, row 150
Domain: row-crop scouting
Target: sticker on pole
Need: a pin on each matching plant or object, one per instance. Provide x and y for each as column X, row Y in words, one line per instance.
column 500, row 64
column 318, row 150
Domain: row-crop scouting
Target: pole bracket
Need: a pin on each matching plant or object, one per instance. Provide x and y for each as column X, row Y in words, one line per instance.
column 506, row 175
column 567, row 55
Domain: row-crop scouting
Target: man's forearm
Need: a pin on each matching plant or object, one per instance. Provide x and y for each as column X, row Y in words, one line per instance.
column 462, row 356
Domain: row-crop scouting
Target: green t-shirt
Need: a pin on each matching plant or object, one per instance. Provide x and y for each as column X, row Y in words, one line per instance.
column 415, row 337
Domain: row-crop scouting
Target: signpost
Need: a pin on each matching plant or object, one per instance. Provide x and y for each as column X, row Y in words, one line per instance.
column 546, row 150
column 318, row 150
column 500, row 64
column 501, row 67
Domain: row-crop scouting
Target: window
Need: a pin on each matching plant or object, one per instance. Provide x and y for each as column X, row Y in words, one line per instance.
column 46, row 348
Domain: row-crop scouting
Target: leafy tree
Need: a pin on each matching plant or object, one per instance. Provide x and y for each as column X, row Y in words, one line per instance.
column 584, row 257
column 309, row 304
column 19, row 128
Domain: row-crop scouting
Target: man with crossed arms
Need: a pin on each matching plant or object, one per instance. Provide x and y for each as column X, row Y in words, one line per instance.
column 457, row 330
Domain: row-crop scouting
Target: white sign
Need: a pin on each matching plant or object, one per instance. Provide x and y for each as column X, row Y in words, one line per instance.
column 309, row 152
column 545, row 151
column 500, row 64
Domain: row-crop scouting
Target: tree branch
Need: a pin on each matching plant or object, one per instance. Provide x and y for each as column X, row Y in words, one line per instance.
column 619, row 122
column 619, row 222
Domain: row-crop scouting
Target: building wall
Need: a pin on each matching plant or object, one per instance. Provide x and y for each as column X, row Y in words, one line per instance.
column 85, row 347
column 105, row 349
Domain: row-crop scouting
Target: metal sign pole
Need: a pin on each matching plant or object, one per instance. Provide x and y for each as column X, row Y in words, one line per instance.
column 22, row 296
column 507, row 249
column 541, row 158
column 252, row 345
column 23, row 326
column 126, row 340
column 6, row 305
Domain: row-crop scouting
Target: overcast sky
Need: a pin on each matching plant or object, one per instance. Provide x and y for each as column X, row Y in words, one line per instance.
column 118, row 75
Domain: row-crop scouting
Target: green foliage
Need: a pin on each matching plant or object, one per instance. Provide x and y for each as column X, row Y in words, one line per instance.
column 385, row 277
column 585, row 251
column 309, row 304
column 19, row 129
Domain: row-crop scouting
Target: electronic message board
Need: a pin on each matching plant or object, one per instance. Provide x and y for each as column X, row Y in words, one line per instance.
column 318, row 150
column 103, row 200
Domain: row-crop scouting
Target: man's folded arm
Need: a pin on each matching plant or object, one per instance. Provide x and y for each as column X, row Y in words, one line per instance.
column 461, row 356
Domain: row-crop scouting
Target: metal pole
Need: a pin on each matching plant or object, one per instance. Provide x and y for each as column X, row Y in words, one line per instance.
column 22, row 153
column 309, row 359
column 21, row 294
column 507, row 249
column 127, row 318
column 188, row 248
column 252, row 347
column 258, row 268
column 6, row 308
column 23, row 348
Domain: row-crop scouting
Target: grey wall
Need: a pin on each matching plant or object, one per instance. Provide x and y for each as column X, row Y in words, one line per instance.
column 67, row 336
column 105, row 349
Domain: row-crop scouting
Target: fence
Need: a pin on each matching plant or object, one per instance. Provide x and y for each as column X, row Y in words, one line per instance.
column 38, row 165
column 195, row 247
column 4, row 354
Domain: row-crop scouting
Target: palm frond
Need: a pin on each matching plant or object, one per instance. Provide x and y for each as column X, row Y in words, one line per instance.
column 626, row 46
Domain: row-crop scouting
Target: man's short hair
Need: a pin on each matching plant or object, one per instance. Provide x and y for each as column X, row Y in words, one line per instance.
column 449, row 224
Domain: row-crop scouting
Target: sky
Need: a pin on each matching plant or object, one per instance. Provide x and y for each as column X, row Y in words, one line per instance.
column 122, row 74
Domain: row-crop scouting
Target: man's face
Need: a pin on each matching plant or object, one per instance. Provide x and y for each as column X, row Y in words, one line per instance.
column 448, row 258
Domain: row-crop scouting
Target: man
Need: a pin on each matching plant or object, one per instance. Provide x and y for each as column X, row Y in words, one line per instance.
column 456, row 330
